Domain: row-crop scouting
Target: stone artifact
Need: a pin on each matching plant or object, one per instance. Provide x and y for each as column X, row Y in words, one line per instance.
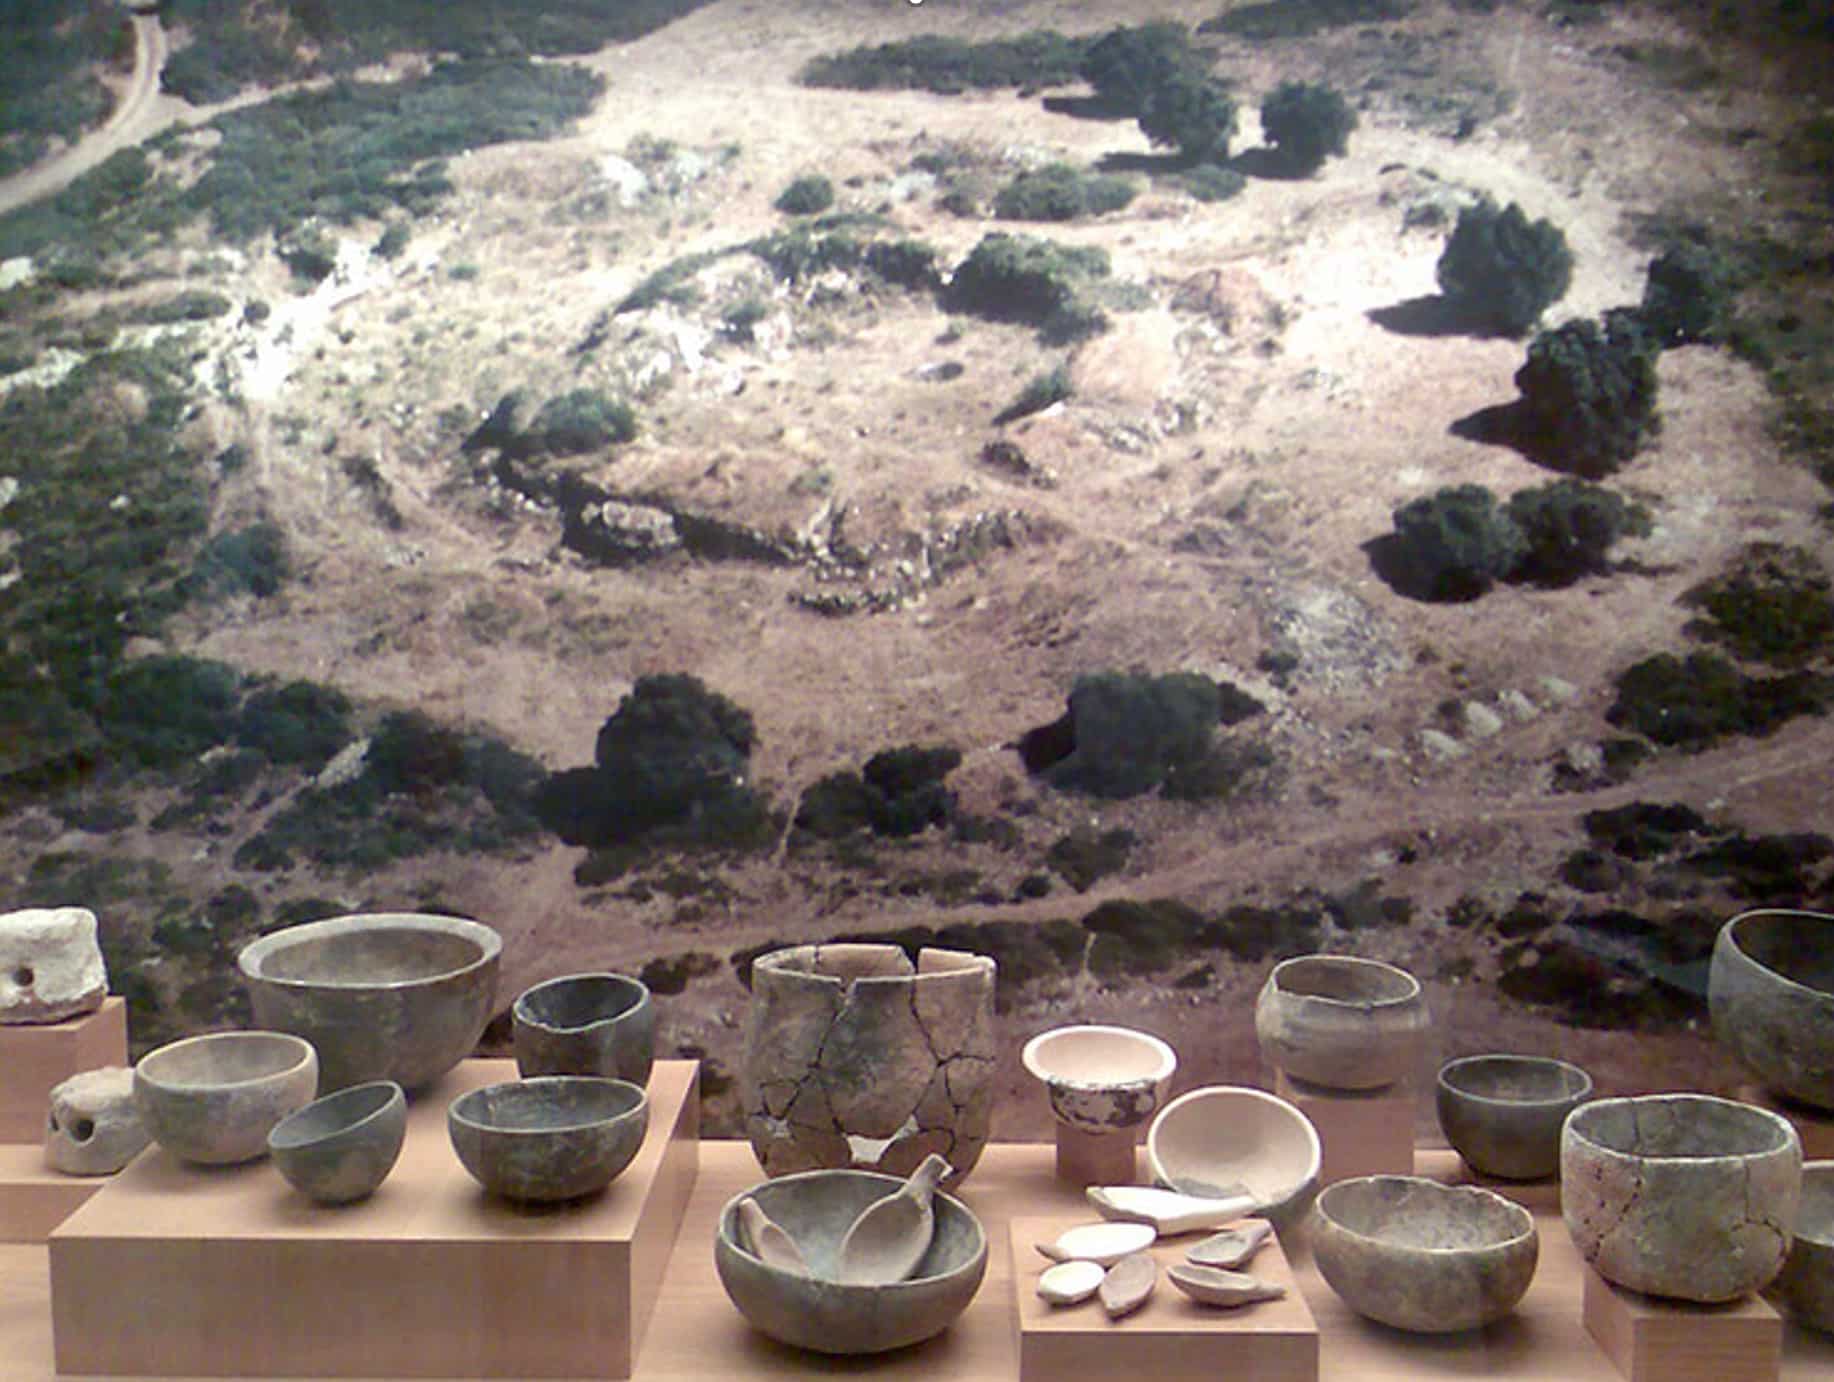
column 396, row 996
column 768, row 1241
column 1419, row 1255
column 50, row 965
column 1169, row 1212
column 855, row 1058
column 1341, row 1022
column 95, row 1127
column 554, row 1137
column 1214, row 1286
column 1231, row 1249
column 1104, row 1084
column 1070, row 1283
column 338, row 1149
column 585, row 1024
column 1770, row 989
column 213, row 1099
column 818, row 1312
column 1806, row 1284
column 1680, row 1195
column 1223, row 1140
column 890, row 1237
column 1126, row 1285
column 1104, row 1244
column 1502, row 1114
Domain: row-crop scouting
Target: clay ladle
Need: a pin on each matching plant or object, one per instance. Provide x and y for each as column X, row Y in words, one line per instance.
column 770, row 1240
column 890, row 1237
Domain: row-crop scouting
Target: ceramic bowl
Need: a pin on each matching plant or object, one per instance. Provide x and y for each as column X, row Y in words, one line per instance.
column 585, row 1024
column 1422, row 1256
column 340, row 1148
column 1806, row 1284
column 1101, row 1079
column 1770, row 989
column 1341, row 1022
column 396, row 996
column 1503, row 1114
column 1216, row 1139
column 816, row 1208
column 213, row 1099
column 1680, row 1195
column 555, row 1137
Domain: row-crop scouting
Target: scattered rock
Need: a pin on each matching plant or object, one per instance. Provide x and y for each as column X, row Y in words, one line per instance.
column 1481, row 722
column 1440, row 746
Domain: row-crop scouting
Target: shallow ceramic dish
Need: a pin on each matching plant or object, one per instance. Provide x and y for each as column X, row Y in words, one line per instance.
column 1222, row 1139
column 585, row 1024
column 1770, row 989
column 816, row 1208
column 1503, row 1113
column 1341, row 1022
column 213, row 1099
column 396, row 996
column 555, row 1137
column 1101, row 1079
column 1422, row 1256
column 1806, row 1284
column 340, row 1148
column 1680, row 1195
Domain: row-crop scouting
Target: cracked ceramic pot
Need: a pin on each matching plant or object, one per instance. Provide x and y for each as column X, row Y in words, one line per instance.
column 1680, row 1195
column 1103, row 1084
column 1341, row 1022
column 1806, row 1284
column 399, row 996
column 856, row 1058
column 213, row 1099
column 1503, row 1114
column 1422, row 1256
column 1771, row 992
column 585, row 1024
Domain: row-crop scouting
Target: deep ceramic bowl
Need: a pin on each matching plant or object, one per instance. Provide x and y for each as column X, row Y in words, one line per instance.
column 1806, row 1284
column 1680, row 1195
column 213, row 1099
column 1101, row 1079
column 585, row 1024
column 1503, row 1114
column 1770, row 989
column 1341, row 1022
column 396, row 996
column 1422, row 1256
column 816, row 1208
column 1218, row 1139
column 555, row 1137
column 340, row 1148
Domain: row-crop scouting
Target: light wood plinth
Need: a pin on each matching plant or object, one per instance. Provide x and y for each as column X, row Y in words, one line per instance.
column 1444, row 1164
column 1169, row 1339
column 1814, row 1126
column 1361, row 1134
column 1086, row 1158
column 34, row 1199
column 1655, row 1340
column 179, row 1271
column 35, row 1059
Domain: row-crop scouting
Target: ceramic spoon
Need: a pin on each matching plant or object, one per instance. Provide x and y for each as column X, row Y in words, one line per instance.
column 890, row 1237
column 770, row 1241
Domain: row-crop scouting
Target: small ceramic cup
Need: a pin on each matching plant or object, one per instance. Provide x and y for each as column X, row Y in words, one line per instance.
column 1104, row 1084
column 1503, row 1113
column 340, row 1148
column 602, row 1025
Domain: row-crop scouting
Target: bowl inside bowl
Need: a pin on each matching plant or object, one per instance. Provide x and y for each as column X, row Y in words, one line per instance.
column 1223, row 1136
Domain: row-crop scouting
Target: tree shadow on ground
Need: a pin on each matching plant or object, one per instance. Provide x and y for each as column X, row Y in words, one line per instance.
column 1434, row 315
column 1514, row 425
column 1086, row 108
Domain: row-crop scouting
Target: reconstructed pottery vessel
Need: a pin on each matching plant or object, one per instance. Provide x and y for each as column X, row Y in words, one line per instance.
column 340, row 1148
column 1422, row 1256
column 1222, row 1140
column 1341, row 1022
column 94, row 1128
column 856, row 1058
column 586, row 1024
column 1771, row 992
column 1680, row 1195
column 1503, row 1114
column 819, row 1313
column 397, row 996
column 50, row 965
column 1806, row 1284
column 555, row 1137
column 213, row 1099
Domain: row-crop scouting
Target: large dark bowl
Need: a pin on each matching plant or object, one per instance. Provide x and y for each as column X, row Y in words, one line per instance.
column 396, row 996
column 555, row 1137
column 1771, row 992
column 1503, row 1114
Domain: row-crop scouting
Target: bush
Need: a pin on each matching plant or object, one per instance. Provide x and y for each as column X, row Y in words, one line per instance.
column 1058, row 192
column 1126, row 65
column 1288, row 19
column 392, row 241
column 1195, row 115
column 1042, row 57
column 1307, row 124
column 1771, row 605
column 251, row 560
column 166, row 710
column 1588, row 395
column 576, row 422
column 1688, row 296
column 1696, row 702
column 193, row 305
column 1568, row 528
column 806, row 196
column 738, row 322
column 1210, row 183
column 1499, row 271
column 1020, row 278
column 1125, row 735
column 300, row 722
column 1039, row 393
column 1456, row 543
column 905, row 262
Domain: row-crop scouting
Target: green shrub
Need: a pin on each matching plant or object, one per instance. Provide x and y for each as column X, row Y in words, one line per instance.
column 799, row 253
column 193, row 305
column 1124, row 735
column 1039, row 393
column 1695, row 702
column 1588, row 395
column 1192, row 114
column 1499, row 271
column 300, row 722
column 1568, row 529
column 1288, row 19
column 1024, row 279
column 1456, row 542
column 905, row 262
column 579, row 421
column 251, row 560
column 671, row 282
column 1772, row 604
column 1042, row 57
column 1059, row 192
column 1687, row 298
column 392, row 241
column 1126, row 65
column 738, row 321
column 1307, row 124
column 165, row 710
column 806, row 196
column 1209, row 183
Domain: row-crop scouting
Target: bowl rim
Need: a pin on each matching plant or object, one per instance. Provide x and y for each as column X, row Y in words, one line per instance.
column 960, row 966
column 1413, row 994
column 1496, row 1101
column 1822, row 1237
column 279, row 1139
column 1574, row 1128
column 1729, row 934
column 1202, row 1093
column 1168, row 1058
column 519, row 1013
column 249, row 959
column 455, row 1114
column 305, row 1055
column 1517, row 1213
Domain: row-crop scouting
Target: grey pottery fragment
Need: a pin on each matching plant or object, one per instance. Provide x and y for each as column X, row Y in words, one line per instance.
column 856, row 1058
column 213, row 1099
column 338, row 1149
column 1770, row 989
column 1806, row 1284
column 1169, row 1212
column 1503, row 1114
column 1681, row 1195
column 1341, row 1022
column 1127, row 1284
column 1232, row 1248
column 94, row 1127
column 50, row 965
column 1214, row 1286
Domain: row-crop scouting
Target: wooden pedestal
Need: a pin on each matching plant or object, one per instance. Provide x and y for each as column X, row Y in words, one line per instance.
column 173, row 1270
column 1654, row 1340
column 1085, row 1159
column 1814, row 1126
column 1169, row 1339
column 1443, row 1164
column 36, row 1059
column 1361, row 1134
column 35, row 1199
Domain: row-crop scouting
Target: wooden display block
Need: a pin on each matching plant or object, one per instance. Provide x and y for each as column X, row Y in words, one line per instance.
column 1444, row 1164
column 1361, row 1134
column 173, row 1270
column 34, row 1199
column 35, row 1059
column 1813, row 1125
column 1655, row 1340
column 1169, row 1339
